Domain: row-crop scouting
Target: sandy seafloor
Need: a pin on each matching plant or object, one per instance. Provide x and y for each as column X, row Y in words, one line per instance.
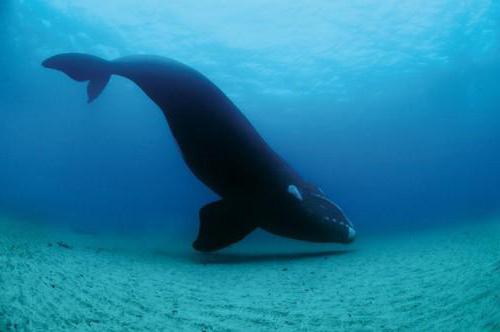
column 445, row 279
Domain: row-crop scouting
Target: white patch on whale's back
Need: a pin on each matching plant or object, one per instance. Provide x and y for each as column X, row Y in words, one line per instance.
column 294, row 191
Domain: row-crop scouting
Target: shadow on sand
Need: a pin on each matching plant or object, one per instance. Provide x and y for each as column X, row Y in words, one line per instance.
column 242, row 258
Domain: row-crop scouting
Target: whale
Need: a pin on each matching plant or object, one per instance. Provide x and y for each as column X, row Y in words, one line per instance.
column 256, row 186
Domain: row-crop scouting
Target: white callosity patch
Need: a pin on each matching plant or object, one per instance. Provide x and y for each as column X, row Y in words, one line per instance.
column 333, row 219
column 294, row 191
column 352, row 233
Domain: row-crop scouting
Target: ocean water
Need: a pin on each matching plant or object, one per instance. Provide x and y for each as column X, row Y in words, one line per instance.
column 391, row 107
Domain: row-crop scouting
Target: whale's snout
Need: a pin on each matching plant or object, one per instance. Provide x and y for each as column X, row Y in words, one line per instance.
column 330, row 219
column 309, row 215
column 351, row 234
column 339, row 232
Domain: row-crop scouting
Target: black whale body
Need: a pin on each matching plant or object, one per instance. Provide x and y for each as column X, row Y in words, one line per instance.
column 221, row 147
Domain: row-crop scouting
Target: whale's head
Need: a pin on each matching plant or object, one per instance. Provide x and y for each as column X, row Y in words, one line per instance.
column 305, row 213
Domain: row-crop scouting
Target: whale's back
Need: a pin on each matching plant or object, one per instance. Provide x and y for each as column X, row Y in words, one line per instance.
column 217, row 141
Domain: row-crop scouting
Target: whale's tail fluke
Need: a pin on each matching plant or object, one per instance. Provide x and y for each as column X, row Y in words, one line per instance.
column 83, row 67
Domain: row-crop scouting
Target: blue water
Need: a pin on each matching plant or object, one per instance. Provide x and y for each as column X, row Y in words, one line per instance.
column 391, row 107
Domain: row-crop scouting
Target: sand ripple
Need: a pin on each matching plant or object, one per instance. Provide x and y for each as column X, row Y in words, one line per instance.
column 446, row 280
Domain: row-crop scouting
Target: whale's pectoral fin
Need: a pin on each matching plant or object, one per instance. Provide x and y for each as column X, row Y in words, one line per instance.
column 222, row 223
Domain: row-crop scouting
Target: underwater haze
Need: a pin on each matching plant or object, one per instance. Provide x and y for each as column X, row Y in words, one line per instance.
column 391, row 107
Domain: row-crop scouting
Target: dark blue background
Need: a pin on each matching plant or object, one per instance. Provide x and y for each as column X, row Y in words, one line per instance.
column 403, row 150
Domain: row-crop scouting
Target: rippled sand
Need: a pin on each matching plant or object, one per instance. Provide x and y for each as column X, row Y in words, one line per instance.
column 440, row 280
